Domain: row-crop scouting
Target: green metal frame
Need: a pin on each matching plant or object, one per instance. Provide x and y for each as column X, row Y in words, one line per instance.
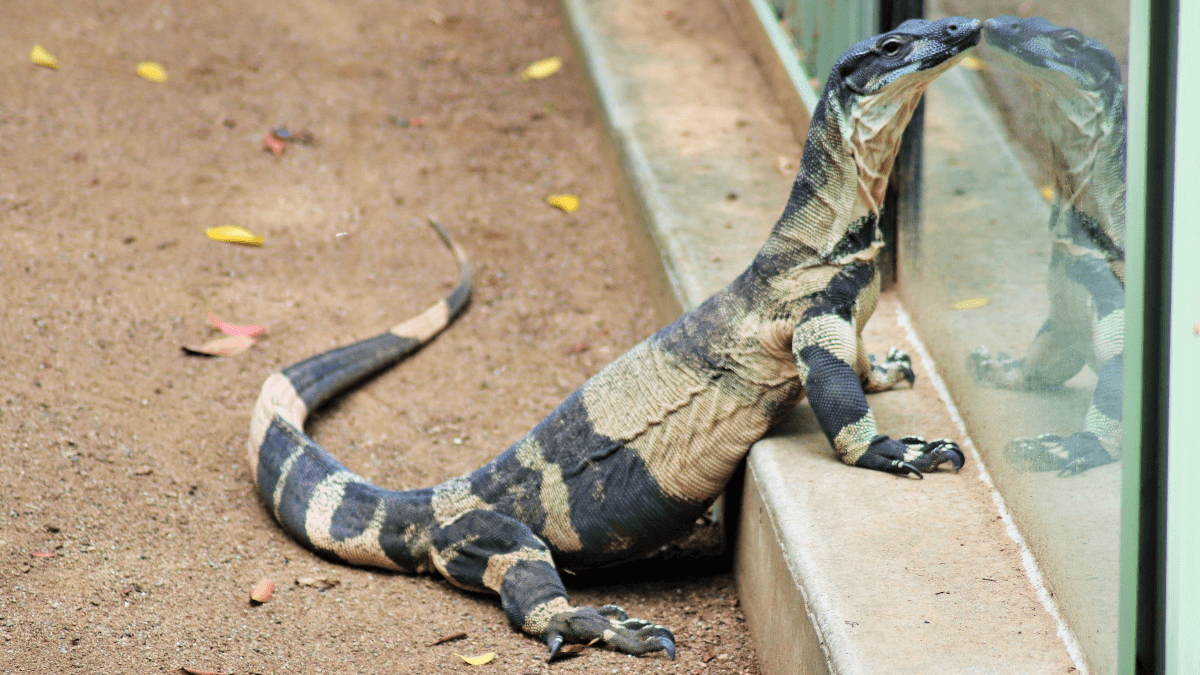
column 1181, row 615
column 820, row 31
column 1151, row 622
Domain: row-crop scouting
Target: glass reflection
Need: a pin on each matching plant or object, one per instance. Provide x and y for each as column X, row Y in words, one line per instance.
column 1078, row 101
column 1015, row 277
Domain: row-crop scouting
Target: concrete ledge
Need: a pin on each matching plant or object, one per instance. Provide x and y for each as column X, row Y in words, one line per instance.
column 840, row 570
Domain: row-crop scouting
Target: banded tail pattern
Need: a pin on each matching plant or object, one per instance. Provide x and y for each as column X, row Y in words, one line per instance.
column 321, row 503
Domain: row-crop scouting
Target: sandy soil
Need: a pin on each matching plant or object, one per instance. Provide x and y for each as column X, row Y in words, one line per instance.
column 124, row 457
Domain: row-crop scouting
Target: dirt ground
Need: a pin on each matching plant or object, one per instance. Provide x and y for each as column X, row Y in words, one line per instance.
column 124, row 458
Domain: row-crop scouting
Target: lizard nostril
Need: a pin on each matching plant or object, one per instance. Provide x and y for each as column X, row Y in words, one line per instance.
column 953, row 28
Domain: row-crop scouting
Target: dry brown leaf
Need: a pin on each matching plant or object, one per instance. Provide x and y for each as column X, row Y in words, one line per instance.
column 230, row 345
column 194, row 671
column 447, row 638
column 572, row 649
column 262, row 591
column 321, row 583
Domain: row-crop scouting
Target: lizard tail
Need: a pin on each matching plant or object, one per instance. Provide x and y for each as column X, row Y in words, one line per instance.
column 322, row 504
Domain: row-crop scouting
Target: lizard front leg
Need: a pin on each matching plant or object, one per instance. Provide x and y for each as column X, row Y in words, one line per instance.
column 824, row 346
column 486, row 550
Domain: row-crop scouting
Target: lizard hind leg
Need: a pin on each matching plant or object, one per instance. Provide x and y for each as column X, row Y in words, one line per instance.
column 486, row 550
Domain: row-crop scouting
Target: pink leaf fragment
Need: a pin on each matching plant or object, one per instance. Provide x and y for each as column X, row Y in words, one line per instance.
column 262, row 591
column 229, row 345
column 253, row 330
column 275, row 145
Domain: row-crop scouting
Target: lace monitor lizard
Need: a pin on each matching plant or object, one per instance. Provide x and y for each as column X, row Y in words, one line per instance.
column 1080, row 105
column 636, row 454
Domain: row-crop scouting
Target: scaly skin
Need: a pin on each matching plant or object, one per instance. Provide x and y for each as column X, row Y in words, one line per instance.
column 629, row 460
column 1081, row 109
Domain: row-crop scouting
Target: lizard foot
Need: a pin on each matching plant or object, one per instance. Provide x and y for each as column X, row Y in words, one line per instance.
column 911, row 455
column 997, row 370
column 610, row 625
column 1074, row 454
column 896, row 366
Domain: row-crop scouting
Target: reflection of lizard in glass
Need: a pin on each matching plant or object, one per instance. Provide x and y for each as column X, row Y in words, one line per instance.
column 1081, row 110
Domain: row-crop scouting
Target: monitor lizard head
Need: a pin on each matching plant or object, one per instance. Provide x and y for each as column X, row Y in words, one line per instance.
column 1051, row 56
column 868, row 100
column 1079, row 100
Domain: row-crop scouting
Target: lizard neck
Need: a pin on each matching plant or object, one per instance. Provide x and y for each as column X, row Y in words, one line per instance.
column 833, row 210
column 1088, row 154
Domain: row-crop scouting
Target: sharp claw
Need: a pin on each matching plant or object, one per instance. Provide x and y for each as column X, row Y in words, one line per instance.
column 910, row 376
column 954, row 454
column 957, row 458
column 613, row 612
column 906, row 469
column 667, row 645
column 554, row 643
column 1073, row 467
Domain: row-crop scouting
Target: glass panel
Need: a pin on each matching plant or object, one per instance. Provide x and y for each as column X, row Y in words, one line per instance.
column 1015, row 276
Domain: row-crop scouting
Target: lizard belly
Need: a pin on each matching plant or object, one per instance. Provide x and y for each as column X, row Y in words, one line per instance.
column 690, row 430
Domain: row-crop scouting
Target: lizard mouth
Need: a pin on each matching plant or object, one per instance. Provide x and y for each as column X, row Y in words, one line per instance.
column 963, row 34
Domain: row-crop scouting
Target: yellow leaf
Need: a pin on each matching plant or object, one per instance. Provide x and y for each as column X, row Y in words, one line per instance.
column 40, row 56
column 972, row 63
column 149, row 70
column 234, row 235
column 568, row 203
column 1048, row 193
column 544, row 68
column 478, row 660
column 971, row 303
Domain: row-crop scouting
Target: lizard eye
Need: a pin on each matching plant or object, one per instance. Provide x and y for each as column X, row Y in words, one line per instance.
column 890, row 46
column 1072, row 42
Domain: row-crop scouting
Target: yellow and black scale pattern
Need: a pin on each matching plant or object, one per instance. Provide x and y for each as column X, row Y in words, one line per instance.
column 629, row 460
column 1080, row 100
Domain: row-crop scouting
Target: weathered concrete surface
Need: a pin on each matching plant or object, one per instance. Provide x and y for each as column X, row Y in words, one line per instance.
column 900, row 575
column 840, row 570
column 986, row 225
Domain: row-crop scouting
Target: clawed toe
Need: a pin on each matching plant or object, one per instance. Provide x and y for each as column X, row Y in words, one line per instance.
column 911, row 455
column 554, row 642
column 1068, row 456
column 905, row 469
column 885, row 374
column 668, row 645
column 997, row 370
column 612, row 626
column 927, row 456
